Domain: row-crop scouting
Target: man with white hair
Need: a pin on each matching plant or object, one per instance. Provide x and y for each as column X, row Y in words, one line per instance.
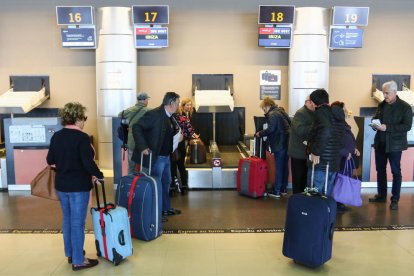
column 395, row 119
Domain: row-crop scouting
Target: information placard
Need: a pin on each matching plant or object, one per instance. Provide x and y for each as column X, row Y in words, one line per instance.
column 350, row 16
column 278, row 37
column 158, row 14
column 276, row 14
column 79, row 15
column 156, row 37
column 78, row 37
column 342, row 38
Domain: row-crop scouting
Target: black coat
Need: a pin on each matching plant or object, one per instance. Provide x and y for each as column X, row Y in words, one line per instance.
column 398, row 122
column 277, row 131
column 149, row 132
column 326, row 136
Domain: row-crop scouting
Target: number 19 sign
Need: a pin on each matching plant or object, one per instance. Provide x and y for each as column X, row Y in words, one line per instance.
column 350, row 16
column 81, row 15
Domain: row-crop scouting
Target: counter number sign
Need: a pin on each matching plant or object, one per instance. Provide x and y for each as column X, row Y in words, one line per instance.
column 350, row 16
column 82, row 15
column 150, row 14
column 276, row 14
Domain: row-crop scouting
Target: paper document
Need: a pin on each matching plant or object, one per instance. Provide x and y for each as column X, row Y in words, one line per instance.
column 176, row 140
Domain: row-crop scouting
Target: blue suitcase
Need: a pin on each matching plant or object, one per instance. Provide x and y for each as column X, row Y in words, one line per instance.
column 112, row 230
column 141, row 195
column 309, row 227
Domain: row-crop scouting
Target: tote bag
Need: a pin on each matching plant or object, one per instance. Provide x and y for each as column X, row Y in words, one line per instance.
column 43, row 185
column 347, row 189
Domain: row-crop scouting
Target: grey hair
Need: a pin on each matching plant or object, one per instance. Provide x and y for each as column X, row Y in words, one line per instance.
column 392, row 86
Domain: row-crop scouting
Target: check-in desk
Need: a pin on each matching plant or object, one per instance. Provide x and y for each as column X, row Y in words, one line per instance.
column 365, row 141
column 27, row 142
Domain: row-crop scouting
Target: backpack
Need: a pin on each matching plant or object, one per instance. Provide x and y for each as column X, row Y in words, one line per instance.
column 123, row 129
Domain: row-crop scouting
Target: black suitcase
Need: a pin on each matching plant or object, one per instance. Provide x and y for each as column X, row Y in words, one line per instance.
column 309, row 227
column 198, row 153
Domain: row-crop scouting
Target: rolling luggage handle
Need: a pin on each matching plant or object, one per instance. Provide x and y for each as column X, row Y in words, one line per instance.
column 142, row 162
column 103, row 195
column 312, row 189
column 254, row 147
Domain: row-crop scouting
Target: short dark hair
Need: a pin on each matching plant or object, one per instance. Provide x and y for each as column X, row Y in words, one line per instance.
column 170, row 97
column 319, row 97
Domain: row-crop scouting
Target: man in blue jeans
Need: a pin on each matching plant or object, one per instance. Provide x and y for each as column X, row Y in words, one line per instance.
column 325, row 141
column 154, row 133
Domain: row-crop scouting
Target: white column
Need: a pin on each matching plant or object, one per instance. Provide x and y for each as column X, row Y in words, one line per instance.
column 309, row 55
column 116, row 71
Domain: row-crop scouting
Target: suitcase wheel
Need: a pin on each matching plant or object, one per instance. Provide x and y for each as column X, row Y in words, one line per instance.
column 98, row 251
column 117, row 257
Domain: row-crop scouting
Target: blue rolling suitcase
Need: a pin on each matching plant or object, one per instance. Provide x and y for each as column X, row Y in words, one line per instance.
column 309, row 227
column 112, row 230
column 141, row 195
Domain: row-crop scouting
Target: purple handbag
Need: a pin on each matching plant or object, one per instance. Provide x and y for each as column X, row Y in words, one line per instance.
column 347, row 189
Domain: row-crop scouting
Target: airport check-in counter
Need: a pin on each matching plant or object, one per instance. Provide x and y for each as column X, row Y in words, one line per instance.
column 365, row 141
column 27, row 142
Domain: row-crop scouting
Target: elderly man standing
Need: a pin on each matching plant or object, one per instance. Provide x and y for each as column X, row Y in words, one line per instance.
column 155, row 133
column 395, row 119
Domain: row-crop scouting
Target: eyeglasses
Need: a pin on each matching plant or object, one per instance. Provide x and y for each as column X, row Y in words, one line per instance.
column 85, row 118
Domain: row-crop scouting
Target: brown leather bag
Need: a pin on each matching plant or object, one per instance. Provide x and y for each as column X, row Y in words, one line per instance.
column 43, row 185
column 197, row 152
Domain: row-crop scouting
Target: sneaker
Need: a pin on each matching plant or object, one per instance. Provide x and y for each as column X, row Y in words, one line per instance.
column 378, row 198
column 394, row 205
column 274, row 194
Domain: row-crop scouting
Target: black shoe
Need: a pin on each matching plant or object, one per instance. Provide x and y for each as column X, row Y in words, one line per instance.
column 70, row 258
column 378, row 198
column 184, row 190
column 394, row 205
column 171, row 212
column 89, row 263
column 340, row 207
column 164, row 219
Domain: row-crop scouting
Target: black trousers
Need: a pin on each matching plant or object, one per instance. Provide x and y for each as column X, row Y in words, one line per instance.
column 381, row 158
column 299, row 169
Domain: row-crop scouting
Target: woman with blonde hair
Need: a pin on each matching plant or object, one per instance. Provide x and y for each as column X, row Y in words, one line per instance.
column 183, row 118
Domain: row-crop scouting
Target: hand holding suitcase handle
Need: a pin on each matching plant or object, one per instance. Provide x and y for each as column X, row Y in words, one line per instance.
column 146, row 152
column 312, row 189
column 96, row 182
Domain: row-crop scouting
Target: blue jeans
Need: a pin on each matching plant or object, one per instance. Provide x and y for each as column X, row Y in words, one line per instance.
column 319, row 180
column 74, row 209
column 161, row 170
column 394, row 158
column 282, row 170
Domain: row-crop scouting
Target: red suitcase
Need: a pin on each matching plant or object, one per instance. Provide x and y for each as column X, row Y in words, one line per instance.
column 252, row 176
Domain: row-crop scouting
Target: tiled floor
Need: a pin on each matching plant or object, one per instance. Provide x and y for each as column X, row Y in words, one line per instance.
column 354, row 253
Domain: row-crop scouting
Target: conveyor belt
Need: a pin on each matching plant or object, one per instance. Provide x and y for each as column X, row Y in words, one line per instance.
column 230, row 156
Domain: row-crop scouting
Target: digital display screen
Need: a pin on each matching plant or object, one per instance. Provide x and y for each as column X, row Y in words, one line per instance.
column 78, row 37
column 342, row 38
column 151, row 37
column 82, row 15
column 350, row 16
column 150, row 14
column 278, row 37
column 276, row 14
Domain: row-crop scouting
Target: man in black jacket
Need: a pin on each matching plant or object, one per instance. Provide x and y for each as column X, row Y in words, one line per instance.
column 395, row 116
column 154, row 133
column 325, row 140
